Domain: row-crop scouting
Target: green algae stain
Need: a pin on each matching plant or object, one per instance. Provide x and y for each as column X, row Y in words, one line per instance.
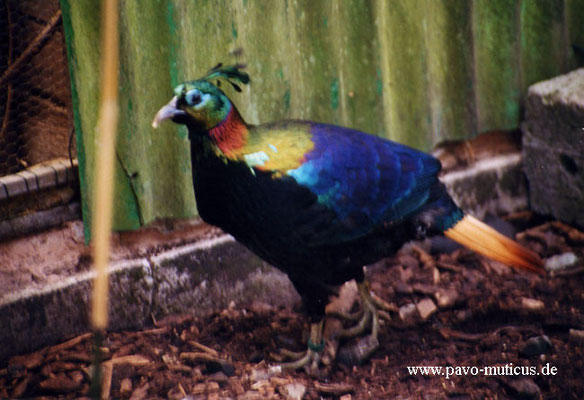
column 233, row 30
column 287, row 99
column 335, row 94
column 379, row 82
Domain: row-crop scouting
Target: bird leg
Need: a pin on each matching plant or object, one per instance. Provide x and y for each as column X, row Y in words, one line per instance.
column 353, row 317
column 372, row 308
column 312, row 356
column 382, row 307
column 368, row 315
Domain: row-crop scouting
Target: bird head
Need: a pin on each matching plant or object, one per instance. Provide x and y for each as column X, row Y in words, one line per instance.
column 201, row 104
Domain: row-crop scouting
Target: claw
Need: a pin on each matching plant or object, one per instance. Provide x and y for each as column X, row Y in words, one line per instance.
column 372, row 309
column 382, row 304
column 369, row 316
column 311, row 358
column 356, row 316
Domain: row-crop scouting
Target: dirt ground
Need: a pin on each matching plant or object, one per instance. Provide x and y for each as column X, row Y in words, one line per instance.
column 453, row 310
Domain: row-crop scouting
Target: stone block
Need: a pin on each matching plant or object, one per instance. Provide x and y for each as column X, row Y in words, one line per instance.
column 553, row 147
column 34, row 318
column 210, row 274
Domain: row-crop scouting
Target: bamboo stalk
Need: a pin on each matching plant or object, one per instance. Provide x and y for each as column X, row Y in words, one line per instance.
column 104, row 178
column 104, row 184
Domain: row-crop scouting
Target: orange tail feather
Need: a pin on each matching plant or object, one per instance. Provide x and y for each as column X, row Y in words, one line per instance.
column 483, row 239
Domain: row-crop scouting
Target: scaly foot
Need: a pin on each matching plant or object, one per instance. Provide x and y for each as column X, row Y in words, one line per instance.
column 311, row 358
column 372, row 308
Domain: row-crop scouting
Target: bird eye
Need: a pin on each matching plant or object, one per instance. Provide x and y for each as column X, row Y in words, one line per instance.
column 193, row 97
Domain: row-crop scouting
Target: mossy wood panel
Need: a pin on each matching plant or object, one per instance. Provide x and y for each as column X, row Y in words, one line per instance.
column 416, row 71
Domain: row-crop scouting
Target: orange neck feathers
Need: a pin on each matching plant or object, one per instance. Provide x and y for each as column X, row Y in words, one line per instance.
column 231, row 134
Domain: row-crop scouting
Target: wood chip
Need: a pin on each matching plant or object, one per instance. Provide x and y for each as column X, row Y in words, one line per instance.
column 448, row 266
column 59, row 366
column 173, row 320
column 174, row 365
column 70, row 343
column 206, row 387
column 293, row 391
column 211, row 362
column 29, row 361
column 569, row 272
column 176, row 393
column 446, row 297
column 134, row 360
column 20, row 388
column 577, row 336
column 76, row 357
column 199, row 357
column 278, row 381
column 426, row 308
column 126, row 387
column 525, row 388
column 154, row 331
column 426, row 259
column 141, row 392
column 236, row 386
column 407, row 311
column 494, row 266
column 574, row 235
column 60, row 384
column 532, row 304
column 448, row 333
column 424, row 288
column 106, row 380
column 335, row 389
column 204, row 348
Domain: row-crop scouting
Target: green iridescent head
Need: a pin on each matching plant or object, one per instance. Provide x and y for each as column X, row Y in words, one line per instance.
column 201, row 103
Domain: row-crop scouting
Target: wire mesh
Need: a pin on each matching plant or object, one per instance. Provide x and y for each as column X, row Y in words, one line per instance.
column 36, row 121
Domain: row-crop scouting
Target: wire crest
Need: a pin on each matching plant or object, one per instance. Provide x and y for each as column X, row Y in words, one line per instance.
column 231, row 73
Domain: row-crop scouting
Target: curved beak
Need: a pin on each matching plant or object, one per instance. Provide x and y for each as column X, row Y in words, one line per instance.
column 169, row 111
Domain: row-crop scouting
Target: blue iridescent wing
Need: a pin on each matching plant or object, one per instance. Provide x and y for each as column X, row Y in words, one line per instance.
column 368, row 181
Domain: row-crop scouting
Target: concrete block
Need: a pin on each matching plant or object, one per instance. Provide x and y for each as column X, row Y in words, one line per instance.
column 14, row 185
column 34, row 318
column 62, row 172
column 31, row 180
column 42, row 176
column 39, row 220
column 495, row 185
column 197, row 279
column 46, row 176
column 553, row 147
column 210, row 274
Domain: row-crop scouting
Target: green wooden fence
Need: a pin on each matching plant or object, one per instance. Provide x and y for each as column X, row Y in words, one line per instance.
column 415, row 71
